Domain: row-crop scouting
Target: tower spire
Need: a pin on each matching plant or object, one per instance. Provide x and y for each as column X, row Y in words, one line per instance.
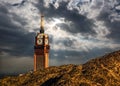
column 42, row 24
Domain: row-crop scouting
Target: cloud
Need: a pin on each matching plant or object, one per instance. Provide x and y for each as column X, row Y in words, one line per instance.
column 15, row 39
column 78, row 30
column 76, row 26
column 111, row 17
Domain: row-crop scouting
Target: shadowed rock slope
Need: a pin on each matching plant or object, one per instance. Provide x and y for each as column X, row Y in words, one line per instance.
column 103, row 71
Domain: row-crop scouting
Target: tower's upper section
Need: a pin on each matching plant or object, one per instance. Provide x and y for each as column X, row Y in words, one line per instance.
column 42, row 24
column 41, row 39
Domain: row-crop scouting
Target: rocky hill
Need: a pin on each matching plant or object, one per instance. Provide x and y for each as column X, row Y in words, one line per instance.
column 102, row 71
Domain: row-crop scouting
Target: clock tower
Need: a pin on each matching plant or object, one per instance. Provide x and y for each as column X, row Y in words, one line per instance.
column 41, row 48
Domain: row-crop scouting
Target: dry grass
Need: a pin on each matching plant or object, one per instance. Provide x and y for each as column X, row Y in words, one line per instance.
column 103, row 71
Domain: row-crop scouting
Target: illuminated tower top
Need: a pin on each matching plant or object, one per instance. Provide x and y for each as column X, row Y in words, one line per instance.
column 42, row 24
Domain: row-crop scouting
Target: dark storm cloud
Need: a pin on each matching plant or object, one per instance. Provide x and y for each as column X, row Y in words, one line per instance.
column 114, row 25
column 80, row 23
column 76, row 57
column 16, row 44
column 14, row 39
column 19, row 4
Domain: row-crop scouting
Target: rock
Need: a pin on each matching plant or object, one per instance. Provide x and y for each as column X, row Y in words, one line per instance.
column 102, row 71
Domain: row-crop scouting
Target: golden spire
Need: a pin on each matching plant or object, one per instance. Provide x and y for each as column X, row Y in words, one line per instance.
column 42, row 24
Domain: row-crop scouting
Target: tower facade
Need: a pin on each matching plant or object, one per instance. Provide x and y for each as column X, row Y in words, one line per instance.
column 41, row 48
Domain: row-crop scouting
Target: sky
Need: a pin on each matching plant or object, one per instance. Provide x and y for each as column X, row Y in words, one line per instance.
column 79, row 30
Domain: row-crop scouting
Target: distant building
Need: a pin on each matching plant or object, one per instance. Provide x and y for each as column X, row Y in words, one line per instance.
column 41, row 48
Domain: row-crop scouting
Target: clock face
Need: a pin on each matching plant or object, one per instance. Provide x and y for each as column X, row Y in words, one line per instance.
column 46, row 41
column 40, row 36
column 39, row 41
